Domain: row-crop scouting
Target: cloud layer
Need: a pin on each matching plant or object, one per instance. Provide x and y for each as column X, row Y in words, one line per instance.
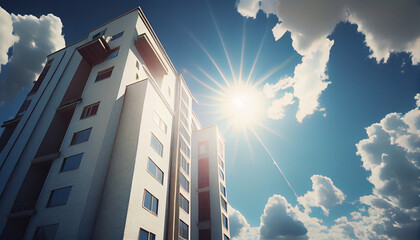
column 391, row 156
column 32, row 40
column 395, row 27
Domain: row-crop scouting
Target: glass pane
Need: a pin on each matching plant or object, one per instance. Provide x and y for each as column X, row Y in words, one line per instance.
column 143, row 235
column 72, row 162
column 148, row 200
column 152, row 236
column 118, row 35
column 46, row 232
column 59, row 197
column 155, row 203
column 81, row 136
column 113, row 54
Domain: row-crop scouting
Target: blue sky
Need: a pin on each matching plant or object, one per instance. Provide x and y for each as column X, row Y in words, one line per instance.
column 349, row 68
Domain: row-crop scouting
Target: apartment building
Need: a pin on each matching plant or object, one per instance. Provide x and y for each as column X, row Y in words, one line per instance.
column 106, row 146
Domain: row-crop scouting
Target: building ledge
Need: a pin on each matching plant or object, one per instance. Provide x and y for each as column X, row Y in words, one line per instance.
column 46, row 158
column 12, row 121
column 95, row 51
column 69, row 105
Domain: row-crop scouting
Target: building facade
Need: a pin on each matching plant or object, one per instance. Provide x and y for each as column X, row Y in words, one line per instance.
column 106, row 146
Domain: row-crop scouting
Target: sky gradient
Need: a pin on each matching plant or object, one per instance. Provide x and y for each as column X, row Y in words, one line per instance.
column 341, row 112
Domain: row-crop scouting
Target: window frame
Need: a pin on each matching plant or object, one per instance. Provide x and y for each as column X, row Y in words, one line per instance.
column 181, row 206
column 51, row 195
column 223, row 202
column 157, row 168
column 227, row 222
column 102, row 72
column 148, row 234
column 153, row 136
column 116, row 36
column 73, row 139
column 224, row 189
column 150, row 210
column 113, row 53
column 179, row 230
column 87, row 109
column 188, row 182
column 68, row 157
column 184, row 159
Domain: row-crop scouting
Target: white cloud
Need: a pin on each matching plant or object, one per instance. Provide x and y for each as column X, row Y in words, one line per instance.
column 239, row 227
column 38, row 37
column 277, row 109
column 395, row 27
column 324, row 194
column 270, row 90
column 279, row 221
column 7, row 39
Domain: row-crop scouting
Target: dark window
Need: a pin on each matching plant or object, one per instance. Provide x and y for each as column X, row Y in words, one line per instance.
column 137, row 65
column 104, row 74
column 204, row 234
column 150, row 202
column 46, row 232
column 225, row 222
column 222, row 176
column 81, row 136
column 72, row 162
column 155, row 171
column 223, row 189
column 116, row 36
column 225, row 238
column 156, row 145
column 183, row 230
column 185, row 165
column 90, row 110
column 184, row 203
column 203, row 173
column 114, row 53
column 224, row 204
column 145, row 235
column 184, row 183
column 59, row 197
column 99, row 34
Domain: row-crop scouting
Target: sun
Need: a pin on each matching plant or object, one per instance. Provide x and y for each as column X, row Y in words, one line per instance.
column 242, row 105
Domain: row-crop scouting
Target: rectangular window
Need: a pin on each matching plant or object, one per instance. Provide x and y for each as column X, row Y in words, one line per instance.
column 184, row 109
column 223, row 189
column 185, row 165
column 184, row 183
column 137, row 65
column 184, row 147
column 184, row 119
column 184, row 203
column 72, row 162
column 150, row 202
column 225, row 222
column 99, row 34
column 59, row 196
column 183, row 230
column 46, row 232
column 222, row 175
column 156, row 145
column 224, row 203
column 159, row 122
column 203, row 147
column 184, row 96
column 225, row 238
column 81, row 136
column 155, row 171
column 145, row 235
column 204, row 206
column 90, row 110
column 184, row 132
column 104, row 74
column 114, row 53
column 116, row 36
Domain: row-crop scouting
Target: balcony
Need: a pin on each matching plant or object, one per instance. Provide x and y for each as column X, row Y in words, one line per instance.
column 95, row 51
column 25, row 209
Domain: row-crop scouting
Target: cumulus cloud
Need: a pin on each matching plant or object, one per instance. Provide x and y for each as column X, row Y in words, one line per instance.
column 239, row 227
column 277, row 109
column 324, row 194
column 395, row 27
column 7, row 39
column 279, row 221
column 37, row 37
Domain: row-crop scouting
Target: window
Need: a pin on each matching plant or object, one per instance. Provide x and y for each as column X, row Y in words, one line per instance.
column 72, row 162
column 161, row 124
column 225, row 222
column 222, row 175
column 221, row 147
column 145, row 235
column 184, row 147
column 184, row 109
column 224, row 203
column 114, row 53
column 184, row 183
column 183, row 230
column 104, row 74
column 150, row 202
column 156, row 145
column 223, row 189
column 137, row 76
column 184, row 203
column 185, row 165
column 184, row 96
column 183, row 119
column 137, row 65
column 184, row 132
column 116, row 36
column 221, row 163
column 225, row 237
column 99, row 34
column 59, row 197
column 46, row 232
column 155, row 171
column 81, row 136
column 90, row 110
column 203, row 147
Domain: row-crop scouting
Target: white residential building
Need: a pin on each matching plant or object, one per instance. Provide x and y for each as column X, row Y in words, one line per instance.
column 106, row 146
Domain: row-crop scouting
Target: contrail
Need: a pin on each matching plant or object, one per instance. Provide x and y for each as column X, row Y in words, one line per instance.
column 274, row 161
